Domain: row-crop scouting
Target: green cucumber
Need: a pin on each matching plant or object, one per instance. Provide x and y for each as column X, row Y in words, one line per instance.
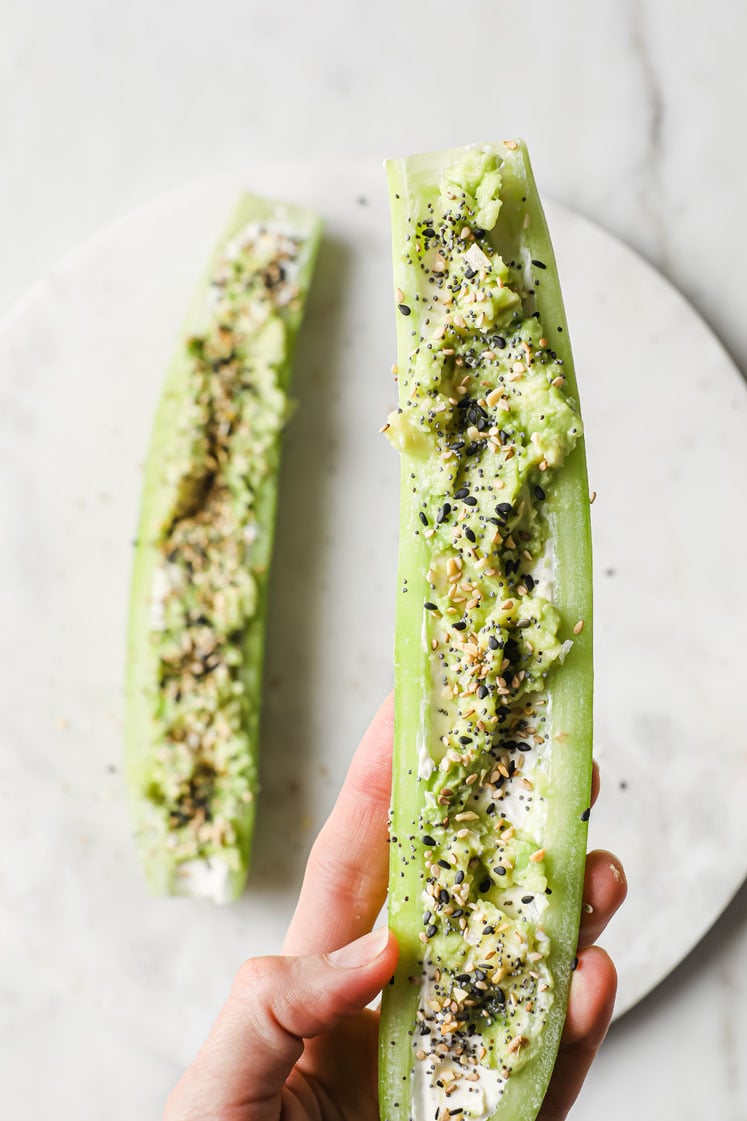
column 199, row 582
column 493, row 656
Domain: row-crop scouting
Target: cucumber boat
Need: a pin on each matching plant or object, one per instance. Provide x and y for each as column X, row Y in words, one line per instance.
column 493, row 670
column 203, row 550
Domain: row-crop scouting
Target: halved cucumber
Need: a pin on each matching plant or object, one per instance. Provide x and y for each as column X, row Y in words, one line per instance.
column 493, row 660
column 199, row 584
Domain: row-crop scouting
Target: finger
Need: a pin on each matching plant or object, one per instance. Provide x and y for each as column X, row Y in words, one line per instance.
column 595, row 782
column 605, row 888
column 592, row 998
column 346, row 876
column 275, row 1004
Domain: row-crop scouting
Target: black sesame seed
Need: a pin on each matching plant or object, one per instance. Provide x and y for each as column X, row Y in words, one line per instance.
column 499, row 870
column 465, row 739
column 482, row 692
column 499, row 341
column 458, row 913
column 491, row 808
column 428, row 841
column 539, row 264
column 458, row 879
column 461, row 626
column 469, row 534
column 443, row 513
column 539, row 494
column 488, row 930
column 470, row 499
column 463, row 978
column 485, row 884
column 444, row 864
column 586, row 814
column 423, row 518
column 431, row 930
column 462, row 492
column 574, row 964
column 503, row 509
column 443, row 895
column 493, row 642
column 404, row 309
column 473, row 449
column 527, row 898
column 529, row 581
column 430, row 606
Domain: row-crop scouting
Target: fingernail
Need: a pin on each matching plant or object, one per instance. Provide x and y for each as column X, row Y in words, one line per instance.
column 362, row 951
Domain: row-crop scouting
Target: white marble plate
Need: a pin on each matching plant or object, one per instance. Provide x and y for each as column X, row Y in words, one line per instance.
column 97, row 963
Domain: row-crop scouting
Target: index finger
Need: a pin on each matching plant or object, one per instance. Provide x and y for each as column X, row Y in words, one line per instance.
column 346, row 875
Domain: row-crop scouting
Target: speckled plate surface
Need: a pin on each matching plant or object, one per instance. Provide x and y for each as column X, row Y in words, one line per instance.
column 81, row 362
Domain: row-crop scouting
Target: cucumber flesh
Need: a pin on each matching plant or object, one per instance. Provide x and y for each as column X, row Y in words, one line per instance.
column 199, row 584
column 493, row 670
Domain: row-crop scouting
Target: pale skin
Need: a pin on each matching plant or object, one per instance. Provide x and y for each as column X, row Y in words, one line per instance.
column 295, row 1041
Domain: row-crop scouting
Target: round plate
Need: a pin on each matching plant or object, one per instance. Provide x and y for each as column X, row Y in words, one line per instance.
column 81, row 363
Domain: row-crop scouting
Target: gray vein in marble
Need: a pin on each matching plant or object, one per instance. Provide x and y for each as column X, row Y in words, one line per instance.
column 651, row 179
column 727, row 1029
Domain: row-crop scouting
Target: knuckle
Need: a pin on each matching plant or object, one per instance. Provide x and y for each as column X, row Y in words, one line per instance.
column 250, row 976
column 341, row 873
column 372, row 784
column 262, row 986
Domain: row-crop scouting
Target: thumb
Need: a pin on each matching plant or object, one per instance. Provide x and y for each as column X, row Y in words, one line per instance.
column 276, row 1003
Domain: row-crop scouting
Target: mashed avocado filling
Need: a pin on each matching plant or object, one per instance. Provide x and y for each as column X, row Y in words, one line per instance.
column 205, row 583
column 207, row 550
column 485, row 425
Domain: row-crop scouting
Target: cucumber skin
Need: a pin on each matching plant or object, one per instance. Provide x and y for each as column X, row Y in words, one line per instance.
column 141, row 694
column 571, row 686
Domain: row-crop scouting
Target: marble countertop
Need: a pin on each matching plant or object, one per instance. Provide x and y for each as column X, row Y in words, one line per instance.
column 633, row 114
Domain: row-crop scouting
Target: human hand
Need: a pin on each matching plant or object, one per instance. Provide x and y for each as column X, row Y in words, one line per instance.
column 295, row 1039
